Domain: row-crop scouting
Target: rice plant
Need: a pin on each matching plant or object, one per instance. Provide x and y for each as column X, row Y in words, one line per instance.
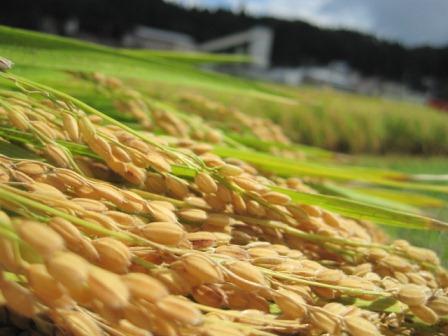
column 123, row 213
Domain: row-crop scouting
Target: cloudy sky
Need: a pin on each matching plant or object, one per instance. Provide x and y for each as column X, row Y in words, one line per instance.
column 412, row 22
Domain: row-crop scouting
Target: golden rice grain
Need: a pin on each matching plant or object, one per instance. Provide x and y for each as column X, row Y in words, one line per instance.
column 196, row 202
column 210, row 295
column 291, row 304
column 169, row 206
column 101, row 147
column 215, row 202
column 101, row 219
column 48, row 190
column 413, row 295
column 247, row 184
column 262, row 252
column 113, row 254
column 311, row 210
column 248, row 276
column 212, row 160
column 69, row 178
column 163, row 326
column 324, row 321
column 70, row 270
column 222, row 330
column 142, row 286
column 173, row 281
column 358, row 326
column 71, row 127
column 180, row 310
column 134, row 174
column 90, row 204
column 108, row 193
column 426, row 314
column 205, row 183
column 18, row 298
column 124, row 219
column 80, row 324
column 19, row 119
column 112, row 315
column 330, row 276
column 107, row 287
column 44, row 130
column 158, row 162
column 233, row 251
column 31, row 168
column 161, row 213
column 439, row 305
column 57, row 155
column 201, row 239
column 224, row 194
column 201, row 268
column 275, row 197
column 120, row 154
column 176, row 186
column 40, row 237
column 68, row 232
column 192, row 215
column 219, row 220
column 230, row 170
column 417, row 279
column 239, row 205
column 255, row 209
column 137, row 315
column 42, row 283
column 129, row 329
column 166, row 233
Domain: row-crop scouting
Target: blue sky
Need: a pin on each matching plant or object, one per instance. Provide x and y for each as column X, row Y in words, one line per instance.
column 412, row 22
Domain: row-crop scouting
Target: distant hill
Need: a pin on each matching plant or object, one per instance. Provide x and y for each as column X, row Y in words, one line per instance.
column 295, row 43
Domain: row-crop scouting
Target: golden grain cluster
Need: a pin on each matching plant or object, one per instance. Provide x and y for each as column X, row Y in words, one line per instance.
column 110, row 231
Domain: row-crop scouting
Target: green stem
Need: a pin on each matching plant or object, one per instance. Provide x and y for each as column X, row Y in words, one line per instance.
column 146, row 264
column 5, row 233
column 303, row 281
column 156, row 197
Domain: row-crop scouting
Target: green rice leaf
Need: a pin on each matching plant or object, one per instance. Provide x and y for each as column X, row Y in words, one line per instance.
column 363, row 211
column 289, row 168
column 354, row 194
column 406, row 197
